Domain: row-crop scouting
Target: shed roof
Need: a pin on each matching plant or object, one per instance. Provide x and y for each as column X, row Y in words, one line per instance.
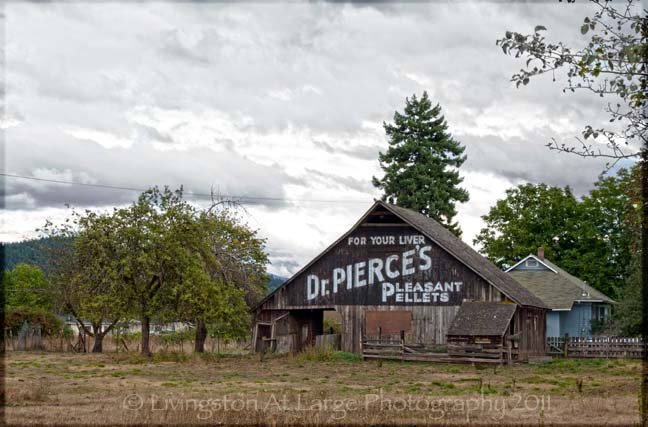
column 557, row 288
column 482, row 318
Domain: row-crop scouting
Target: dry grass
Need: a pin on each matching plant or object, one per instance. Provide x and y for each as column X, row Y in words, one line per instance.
column 313, row 388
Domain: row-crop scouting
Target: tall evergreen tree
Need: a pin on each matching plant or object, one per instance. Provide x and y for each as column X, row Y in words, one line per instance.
column 421, row 163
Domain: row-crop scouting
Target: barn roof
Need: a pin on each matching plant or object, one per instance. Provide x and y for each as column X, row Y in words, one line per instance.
column 447, row 241
column 482, row 318
column 464, row 253
column 555, row 287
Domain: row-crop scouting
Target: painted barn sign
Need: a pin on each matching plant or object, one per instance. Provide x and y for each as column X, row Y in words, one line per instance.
column 380, row 266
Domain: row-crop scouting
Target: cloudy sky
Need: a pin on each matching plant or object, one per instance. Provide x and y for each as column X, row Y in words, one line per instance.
column 280, row 101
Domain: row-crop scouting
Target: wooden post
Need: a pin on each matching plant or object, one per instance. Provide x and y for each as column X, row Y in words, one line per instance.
column 508, row 351
column 566, row 345
column 255, row 331
column 607, row 347
column 402, row 343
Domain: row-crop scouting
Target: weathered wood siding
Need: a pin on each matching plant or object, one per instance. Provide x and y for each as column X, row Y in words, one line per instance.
column 429, row 324
column 358, row 273
column 530, row 323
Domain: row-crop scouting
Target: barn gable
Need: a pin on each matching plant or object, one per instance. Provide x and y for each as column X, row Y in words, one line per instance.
column 396, row 256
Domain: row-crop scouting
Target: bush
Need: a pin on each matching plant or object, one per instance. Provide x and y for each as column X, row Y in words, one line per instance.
column 332, row 326
column 600, row 327
column 174, row 338
column 315, row 354
column 67, row 332
column 15, row 317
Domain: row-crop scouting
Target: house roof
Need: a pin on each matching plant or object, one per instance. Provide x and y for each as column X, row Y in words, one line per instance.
column 555, row 287
column 451, row 244
column 482, row 318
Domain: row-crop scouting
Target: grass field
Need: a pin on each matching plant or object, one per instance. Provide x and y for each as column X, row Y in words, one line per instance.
column 314, row 388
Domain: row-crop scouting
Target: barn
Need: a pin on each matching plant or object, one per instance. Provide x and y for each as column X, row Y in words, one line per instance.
column 397, row 272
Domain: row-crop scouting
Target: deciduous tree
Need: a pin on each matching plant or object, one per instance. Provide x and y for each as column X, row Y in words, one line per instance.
column 528, row 217
column 590, row 238
column 26, row 286
column 231, row 275
column 84, row 275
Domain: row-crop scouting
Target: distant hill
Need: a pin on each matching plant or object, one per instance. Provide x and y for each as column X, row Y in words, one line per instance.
column 275, row 282
column 33, row 252
column 27, row 251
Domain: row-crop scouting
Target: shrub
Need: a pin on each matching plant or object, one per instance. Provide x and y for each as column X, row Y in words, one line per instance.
column 175, row 338
column 15, row 317
column 316, row 354
column 332, row 326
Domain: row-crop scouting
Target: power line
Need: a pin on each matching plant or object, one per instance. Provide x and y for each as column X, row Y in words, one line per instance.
column 240, row 199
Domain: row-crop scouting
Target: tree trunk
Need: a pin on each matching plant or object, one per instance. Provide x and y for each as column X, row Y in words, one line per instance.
column 201, row 336
column 146, row 326
column 98, row 335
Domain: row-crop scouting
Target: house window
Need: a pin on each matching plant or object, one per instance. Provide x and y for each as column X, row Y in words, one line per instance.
column 531, row 263
column 601, row 312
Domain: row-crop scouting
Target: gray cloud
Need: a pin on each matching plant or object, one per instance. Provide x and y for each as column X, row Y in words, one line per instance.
column 524, row 159
column 152, row 134
column 83, row 161
column 361, row 152
column 276, row 100
column 341, row 182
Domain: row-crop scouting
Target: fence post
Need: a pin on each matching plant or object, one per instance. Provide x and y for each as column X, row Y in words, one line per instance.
column 607, row 348
column 566, row 345
column 508, row 352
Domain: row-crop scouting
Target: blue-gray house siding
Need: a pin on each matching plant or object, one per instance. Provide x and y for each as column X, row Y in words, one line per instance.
column 553, row 324
column 576, row 322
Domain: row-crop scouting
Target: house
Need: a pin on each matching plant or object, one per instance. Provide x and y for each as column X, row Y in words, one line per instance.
column 574, row 304
column 397, row 273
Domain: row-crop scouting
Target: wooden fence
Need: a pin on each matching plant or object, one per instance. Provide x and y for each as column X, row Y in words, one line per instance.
column 608, row 347
column 398, row 349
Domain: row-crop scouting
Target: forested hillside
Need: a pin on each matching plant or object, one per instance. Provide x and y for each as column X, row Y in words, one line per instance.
column 34, row 252
column 27, row 251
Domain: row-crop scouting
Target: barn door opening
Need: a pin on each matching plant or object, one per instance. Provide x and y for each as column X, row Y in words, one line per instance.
column 310, row 323
column 263, row 335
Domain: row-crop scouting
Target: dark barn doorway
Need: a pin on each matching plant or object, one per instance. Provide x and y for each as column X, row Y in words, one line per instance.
column 310, row 323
